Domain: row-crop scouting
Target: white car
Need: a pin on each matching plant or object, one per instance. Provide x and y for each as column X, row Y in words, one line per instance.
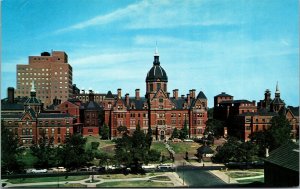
column 39, row 171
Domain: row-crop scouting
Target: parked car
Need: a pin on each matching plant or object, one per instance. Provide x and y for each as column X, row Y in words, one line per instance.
column 84, row 169
column 39, row 171
column 164, row 167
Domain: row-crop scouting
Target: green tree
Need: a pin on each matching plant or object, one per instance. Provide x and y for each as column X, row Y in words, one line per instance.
column 72, row 153
column 122, row 129
column 215, row 127
column 149, row 137
column 44, row 152
column 175, row 133
column 236, row 151
column 279, row 133
column 183, row 134
column 10, row 151
column 104, row 132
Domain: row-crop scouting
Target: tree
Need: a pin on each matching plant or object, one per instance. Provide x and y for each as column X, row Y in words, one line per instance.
column 236, row 151
column 122, row 129
column 184, row 131
column 280, row 131
column 175, row 133
column 104, row 132
column 72, row 153
column 44, row 152
column 149, row 137
column 10, row 152
column 275, row 136
column 215, row 127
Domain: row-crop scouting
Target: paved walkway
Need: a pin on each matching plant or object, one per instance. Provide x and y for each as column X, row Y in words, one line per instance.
column 174, row 178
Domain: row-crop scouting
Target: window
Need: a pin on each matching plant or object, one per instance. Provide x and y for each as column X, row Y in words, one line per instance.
column 58, row 130
column 151, row 87
column 158, row 86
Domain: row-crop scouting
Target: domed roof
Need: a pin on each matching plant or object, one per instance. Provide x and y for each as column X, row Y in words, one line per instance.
column 156, row 72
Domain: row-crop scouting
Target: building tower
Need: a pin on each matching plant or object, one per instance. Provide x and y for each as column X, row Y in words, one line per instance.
column 277, row 103
column 33, row 102
column 156, row 77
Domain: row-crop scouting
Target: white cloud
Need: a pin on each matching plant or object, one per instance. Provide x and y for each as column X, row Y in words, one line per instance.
column 160, row 14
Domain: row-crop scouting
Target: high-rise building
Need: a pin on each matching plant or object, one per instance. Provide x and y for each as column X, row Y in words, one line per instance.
column 52, row 75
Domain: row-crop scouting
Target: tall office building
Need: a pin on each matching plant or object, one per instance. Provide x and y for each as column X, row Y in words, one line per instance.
column 52, row 76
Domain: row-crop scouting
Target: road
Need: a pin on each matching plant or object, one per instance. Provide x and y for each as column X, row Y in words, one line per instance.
column 199, row 177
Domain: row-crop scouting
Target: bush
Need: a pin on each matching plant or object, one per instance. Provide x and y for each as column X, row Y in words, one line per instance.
column 95, row 145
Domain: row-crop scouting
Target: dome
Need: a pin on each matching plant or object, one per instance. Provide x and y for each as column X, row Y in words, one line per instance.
column 156, row 72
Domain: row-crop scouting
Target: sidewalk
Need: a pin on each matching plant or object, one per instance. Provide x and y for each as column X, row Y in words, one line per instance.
column 224, row 177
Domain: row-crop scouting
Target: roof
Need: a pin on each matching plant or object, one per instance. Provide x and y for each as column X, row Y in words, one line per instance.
column 11, row 115
column 91, row 105
column 241, row 101
column 32, row 100
column 201, row 95
column 14, row 106
column 294, row 110
column 277, row 100
column 139, row 103
column 286, row 156
column 54, row 115
column 179, row 102
column 109, row 95
column 223, row 94
column 205, row 150
column 156, row 72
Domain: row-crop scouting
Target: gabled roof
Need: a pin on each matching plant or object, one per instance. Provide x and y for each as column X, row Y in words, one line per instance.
column 277, row 100
column 91, row 105
column 286, row 156
column 109, row 95
column 294, row 110
column 201, row 95
column 29, row 111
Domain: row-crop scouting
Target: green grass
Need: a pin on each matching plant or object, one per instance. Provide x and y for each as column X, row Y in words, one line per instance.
column 46, row 179
column 182, row 147
column 247, row 181
column 161, row 178
column 69, row 185
column 146, row 184
column 89, row 181
column 160, row 147
column 242, row 174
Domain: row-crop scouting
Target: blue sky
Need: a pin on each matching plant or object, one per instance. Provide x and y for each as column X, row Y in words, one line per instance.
column 242, row 47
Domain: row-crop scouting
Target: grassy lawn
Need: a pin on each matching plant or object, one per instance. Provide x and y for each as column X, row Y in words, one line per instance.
column 160, row 147
column 242, row 174
column 46, row 179
column 145, row 184
column 55, row 186
column 103, row 143
column 247, row 181
column 161, row 178
column 182, row 147
column 122, row 176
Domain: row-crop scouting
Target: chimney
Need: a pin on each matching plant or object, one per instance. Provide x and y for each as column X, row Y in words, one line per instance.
column 191, row 93
column 188, row 99
column 182, row 96
column 175, row 94
column 194, row 93
column 253, row 102
column 11, row 94
column 127, row 99
column 91, row 95
column 119, row 93
column 168, row 95
column 137, row 94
